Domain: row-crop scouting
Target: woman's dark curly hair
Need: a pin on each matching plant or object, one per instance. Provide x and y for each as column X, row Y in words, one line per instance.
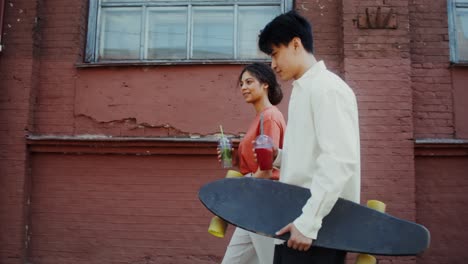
column 265, row 75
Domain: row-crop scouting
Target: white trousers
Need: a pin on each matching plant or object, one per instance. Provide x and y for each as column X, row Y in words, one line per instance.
column 249, row 248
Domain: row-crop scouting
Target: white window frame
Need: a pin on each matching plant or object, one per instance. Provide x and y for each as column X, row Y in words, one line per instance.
column 93, row 34
column 453, row 6
column 2, row 14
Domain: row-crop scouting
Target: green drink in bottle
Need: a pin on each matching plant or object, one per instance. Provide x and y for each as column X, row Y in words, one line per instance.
column 225, row 147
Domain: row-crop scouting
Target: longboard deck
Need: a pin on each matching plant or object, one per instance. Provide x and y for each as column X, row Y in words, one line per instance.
column 265, row 206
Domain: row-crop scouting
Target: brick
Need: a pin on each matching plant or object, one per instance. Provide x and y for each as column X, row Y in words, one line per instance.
column 429, row 40
column 136, row 220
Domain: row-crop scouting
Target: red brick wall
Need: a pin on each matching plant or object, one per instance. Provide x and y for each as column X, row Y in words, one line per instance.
column 377, row 67
column 430, row 77
column 161, row 101
column 63, row 26
column 18, row 84
column 460, row 98
column 326, row 20
column 95, row 209
column 442, row 199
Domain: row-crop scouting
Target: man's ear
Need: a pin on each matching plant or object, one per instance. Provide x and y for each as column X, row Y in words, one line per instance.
column 297, row 43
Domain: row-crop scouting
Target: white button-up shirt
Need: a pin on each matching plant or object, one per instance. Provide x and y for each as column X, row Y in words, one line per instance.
column 321, row 146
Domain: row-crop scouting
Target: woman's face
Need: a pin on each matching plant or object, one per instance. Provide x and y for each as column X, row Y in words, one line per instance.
column 252, row 89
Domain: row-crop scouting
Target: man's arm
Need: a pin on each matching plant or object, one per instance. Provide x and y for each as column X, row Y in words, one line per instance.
column 337, row 131
column 277, row 162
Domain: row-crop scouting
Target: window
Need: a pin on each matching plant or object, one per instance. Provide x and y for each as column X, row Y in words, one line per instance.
column 458, row 30
column 178, row 31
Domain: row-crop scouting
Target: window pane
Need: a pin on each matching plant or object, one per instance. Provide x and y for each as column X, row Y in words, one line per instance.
column 251, row 20
column 167, row 36
column 213, row 29
column 462, row 35
column 120, row 33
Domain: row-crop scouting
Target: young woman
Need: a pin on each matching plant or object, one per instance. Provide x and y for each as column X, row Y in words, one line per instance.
column 260, row 88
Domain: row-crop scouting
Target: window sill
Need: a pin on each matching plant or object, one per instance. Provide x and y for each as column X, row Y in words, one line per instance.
column 458, row 64
column 165, row 63
column 441, row 147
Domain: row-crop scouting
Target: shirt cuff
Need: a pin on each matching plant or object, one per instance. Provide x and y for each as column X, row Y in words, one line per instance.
column 306, row 228
column 310, row 221
column 277, row 161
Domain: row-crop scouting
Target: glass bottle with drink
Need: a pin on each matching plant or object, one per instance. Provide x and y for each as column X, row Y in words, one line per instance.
column 225, row 147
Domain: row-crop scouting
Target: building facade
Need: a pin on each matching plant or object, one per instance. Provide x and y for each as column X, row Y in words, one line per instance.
column 109, row 112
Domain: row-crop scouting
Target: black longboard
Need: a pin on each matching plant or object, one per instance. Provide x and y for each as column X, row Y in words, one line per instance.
column 265, row 206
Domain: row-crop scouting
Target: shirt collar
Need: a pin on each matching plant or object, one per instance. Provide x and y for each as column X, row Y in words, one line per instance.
column 313, row 71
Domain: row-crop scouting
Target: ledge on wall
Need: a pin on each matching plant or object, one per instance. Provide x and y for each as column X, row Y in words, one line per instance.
column 101, row 144
column 441, row 147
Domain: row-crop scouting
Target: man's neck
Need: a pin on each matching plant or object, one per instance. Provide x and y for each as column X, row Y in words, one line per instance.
column 307, row 61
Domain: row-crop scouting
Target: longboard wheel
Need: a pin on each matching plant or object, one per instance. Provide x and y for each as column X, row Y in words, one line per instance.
column 366, row 259
column 376, row 205
column 217, row 227
column 233, row 174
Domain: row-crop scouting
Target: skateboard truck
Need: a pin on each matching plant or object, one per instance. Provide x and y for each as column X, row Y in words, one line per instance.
column 217, row 225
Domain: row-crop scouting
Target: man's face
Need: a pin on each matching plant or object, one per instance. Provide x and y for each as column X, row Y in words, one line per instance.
column 282, row 61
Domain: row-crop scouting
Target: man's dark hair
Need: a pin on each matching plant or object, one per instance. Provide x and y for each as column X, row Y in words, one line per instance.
column 282, row 29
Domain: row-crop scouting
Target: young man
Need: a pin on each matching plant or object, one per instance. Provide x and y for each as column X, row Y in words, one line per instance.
column 321, row 148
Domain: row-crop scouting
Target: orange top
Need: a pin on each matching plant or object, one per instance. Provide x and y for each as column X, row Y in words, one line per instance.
column 274, row 126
